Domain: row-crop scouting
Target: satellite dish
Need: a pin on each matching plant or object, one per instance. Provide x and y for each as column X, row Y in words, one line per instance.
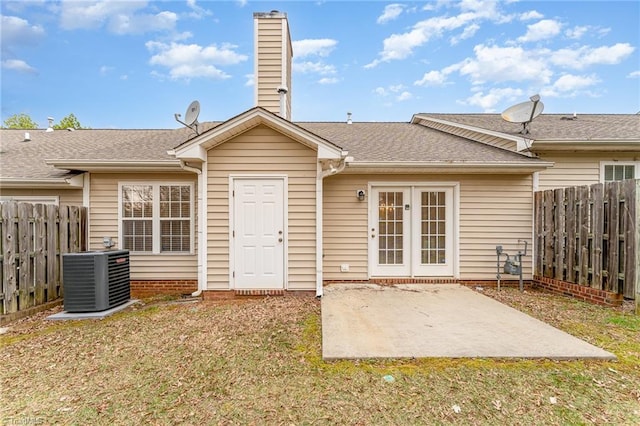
column 190, row 117
column 524, row 112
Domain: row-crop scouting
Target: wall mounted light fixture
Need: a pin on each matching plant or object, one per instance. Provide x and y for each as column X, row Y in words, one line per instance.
column 361, row 194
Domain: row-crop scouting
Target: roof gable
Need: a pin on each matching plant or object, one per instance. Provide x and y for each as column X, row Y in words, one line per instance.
column 195, row 149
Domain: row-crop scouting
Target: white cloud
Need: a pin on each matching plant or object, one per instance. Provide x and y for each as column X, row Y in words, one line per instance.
column 328, row 80
column 251, row 80
column 568, row 82
column 381, row 91
column 500, row 64
column 432, row 78
column 120, row 17
column 18, row 65
column 313, row 67
column 313, row 47
column 468, row 32
column 634, row 74
column 582, row 57
column 530, row 15
column 391, row 12
column 576, row 32
column 579, row 31
column 569, row 85
column 16, row 31
column 404, row 96
column 187, row 61
column 401, row 46
column 488, row 101
column 197, row 12
column 104, row 70
column 541, row 30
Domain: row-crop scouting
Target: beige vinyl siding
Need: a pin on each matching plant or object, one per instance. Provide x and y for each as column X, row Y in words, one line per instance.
column 68, row 197
column 493, row 211
column 574, row 169
column 472, row 135
column 103, row 214
column 263, row 151
column 270, row 69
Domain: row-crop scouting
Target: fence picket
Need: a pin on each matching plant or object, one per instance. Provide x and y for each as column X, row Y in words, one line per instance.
column 39, row 250
column 629, row 214
column 570, row 195
column 614, row 237
column 24, row 284
column 597, row 236
column 9, row 248
column 559, row 221
column 582, row 193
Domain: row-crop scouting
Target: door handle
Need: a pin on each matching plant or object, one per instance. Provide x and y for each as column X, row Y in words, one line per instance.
column 279, row 240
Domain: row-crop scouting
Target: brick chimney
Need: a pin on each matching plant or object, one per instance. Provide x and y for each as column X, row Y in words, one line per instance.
column 273, row 55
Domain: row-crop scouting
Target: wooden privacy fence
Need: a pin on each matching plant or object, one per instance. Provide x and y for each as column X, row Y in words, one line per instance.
column 588, row 235
column 33, row 239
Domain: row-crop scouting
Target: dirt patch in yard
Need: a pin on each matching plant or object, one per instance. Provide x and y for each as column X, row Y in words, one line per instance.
column 259, row 362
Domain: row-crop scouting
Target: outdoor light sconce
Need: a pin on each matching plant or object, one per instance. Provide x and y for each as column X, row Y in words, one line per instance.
column 360, row 193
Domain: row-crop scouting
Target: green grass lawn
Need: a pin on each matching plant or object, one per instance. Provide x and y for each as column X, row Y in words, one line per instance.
column 259, row 362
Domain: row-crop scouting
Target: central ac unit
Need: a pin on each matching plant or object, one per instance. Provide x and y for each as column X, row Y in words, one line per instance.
column 95, row 281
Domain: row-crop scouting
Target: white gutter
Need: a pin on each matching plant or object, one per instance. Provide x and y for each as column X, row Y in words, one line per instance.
column 449, row 167
column 115, row 165
column 320, row 175
column 202, row 247
column 41, row 183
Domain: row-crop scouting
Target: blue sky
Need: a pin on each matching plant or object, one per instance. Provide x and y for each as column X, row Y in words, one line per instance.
column 133, row 64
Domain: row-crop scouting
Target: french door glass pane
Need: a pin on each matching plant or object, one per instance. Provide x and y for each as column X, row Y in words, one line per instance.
column 390, row 237
column 432, row 220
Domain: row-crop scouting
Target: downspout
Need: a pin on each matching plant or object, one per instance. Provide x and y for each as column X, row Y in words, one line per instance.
column 86, row 202
column 201, row 227
column 321, row 174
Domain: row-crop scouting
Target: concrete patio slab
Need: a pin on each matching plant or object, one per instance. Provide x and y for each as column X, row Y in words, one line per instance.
column 436, row 320
column 64, row 315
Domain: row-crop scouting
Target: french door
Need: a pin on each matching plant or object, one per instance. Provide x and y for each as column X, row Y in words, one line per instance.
column 411, row 231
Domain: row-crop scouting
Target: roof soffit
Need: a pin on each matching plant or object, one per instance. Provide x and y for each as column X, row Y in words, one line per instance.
column 196, row 148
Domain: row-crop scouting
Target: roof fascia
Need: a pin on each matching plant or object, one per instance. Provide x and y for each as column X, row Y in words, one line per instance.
column 448, row 167
column 248, row 120
column 522, row 143
column 116, row 166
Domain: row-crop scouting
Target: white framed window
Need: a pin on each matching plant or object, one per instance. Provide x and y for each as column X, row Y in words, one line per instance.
column 611, row 171
column 156, row 217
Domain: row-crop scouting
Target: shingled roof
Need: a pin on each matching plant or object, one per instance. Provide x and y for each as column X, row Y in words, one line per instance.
column 398, row 142
column 584, row 127
column 366, row 142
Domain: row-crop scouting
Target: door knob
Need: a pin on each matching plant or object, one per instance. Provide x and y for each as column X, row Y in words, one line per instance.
column 279, row 240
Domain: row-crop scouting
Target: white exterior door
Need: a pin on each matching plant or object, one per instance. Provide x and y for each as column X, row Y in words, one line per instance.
column 258, row 233
column 411, row 231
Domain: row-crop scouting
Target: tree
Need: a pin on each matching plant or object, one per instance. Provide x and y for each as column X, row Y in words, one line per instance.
column 19, row 121
column 68, row 122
